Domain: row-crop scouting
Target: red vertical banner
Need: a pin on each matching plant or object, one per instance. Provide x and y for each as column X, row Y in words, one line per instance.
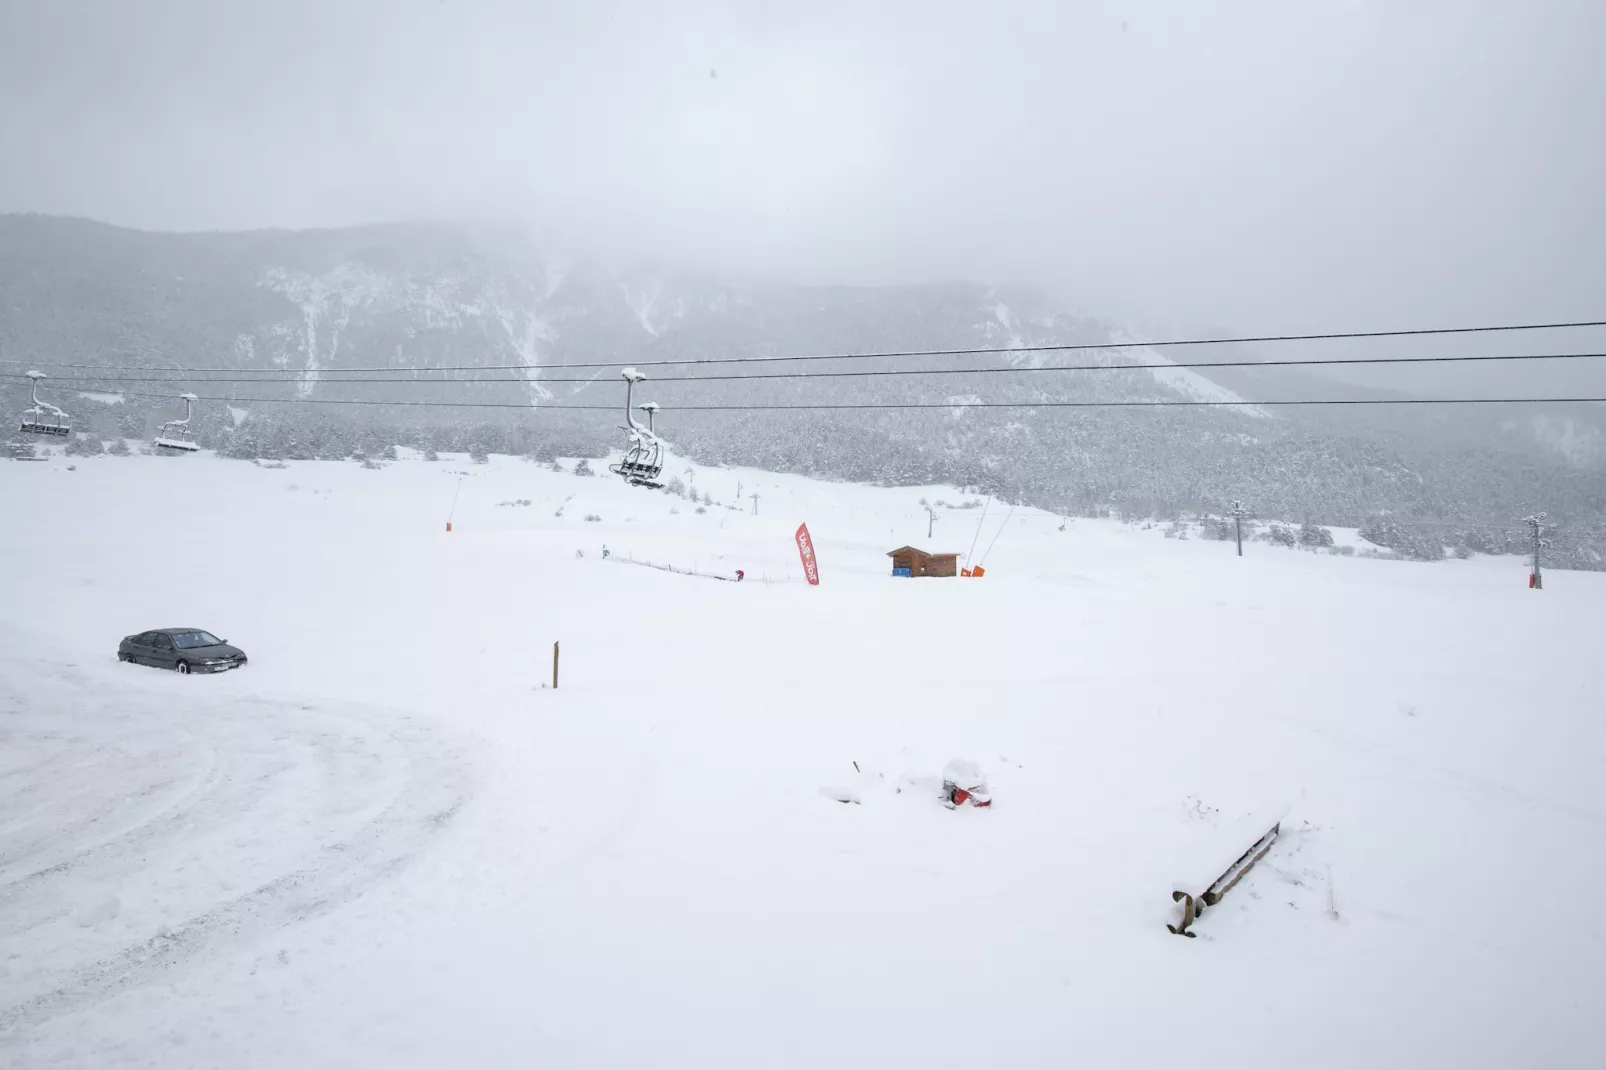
column 805, row 550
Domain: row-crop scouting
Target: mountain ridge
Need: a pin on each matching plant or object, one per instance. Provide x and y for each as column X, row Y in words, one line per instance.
column 301, row 306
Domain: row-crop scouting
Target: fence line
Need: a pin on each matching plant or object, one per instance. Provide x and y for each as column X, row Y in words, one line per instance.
column 686, row 571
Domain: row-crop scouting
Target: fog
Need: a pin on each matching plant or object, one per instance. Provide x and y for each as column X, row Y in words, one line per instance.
column 1253, row 165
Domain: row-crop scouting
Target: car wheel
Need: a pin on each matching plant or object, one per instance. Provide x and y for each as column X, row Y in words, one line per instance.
column 182, row 667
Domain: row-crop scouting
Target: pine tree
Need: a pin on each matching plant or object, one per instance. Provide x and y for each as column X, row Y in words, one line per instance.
column 1314, row 535
column 1418, row 545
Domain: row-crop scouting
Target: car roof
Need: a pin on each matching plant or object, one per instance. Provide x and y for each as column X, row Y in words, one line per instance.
column 170, row 631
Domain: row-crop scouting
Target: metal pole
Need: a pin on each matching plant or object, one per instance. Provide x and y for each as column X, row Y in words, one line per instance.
column 554, row 666
column 1238, row 524
column 453, row 510
column 1535, row 522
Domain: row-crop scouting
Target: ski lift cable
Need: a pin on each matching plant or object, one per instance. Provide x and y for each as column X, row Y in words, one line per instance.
column 894, row 405
column 999, row 532
column 1481, row 527
column 971, row 556
column 1416, row 332
column 327, row 376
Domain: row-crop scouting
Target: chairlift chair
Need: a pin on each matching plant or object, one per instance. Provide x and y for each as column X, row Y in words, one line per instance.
column 643, row 459
column 175, row 435
column 653, row 461
column 44, row 418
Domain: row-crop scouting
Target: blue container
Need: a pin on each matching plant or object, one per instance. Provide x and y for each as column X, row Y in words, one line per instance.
column 903, row 572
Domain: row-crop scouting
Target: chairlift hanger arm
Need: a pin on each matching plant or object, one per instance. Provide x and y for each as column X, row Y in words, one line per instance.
column 176, row 434
column 43, row 418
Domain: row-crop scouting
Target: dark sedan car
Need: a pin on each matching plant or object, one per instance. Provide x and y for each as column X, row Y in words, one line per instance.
column 181, row 649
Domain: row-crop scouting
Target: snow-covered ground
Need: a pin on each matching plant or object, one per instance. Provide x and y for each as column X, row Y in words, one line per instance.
column 386, row 843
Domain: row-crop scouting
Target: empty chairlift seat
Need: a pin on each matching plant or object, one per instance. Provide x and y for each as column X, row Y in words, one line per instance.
column 175, row 436
column 44, row 418
column 643, row 461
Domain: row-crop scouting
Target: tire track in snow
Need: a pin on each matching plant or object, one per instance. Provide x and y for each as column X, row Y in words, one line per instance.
column 312, row 805
column 126, row 839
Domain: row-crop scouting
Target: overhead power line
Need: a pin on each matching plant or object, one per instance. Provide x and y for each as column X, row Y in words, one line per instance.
column 324, row 374
column 968, row 351
column 822, row 406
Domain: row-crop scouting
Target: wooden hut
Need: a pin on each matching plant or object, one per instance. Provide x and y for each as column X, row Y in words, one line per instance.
column 908, row 561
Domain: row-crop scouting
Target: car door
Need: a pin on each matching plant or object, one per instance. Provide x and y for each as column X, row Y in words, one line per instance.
column 163, row 655
column 139, row 648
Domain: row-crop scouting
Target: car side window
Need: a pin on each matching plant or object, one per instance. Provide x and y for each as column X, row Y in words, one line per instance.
column 162, row 642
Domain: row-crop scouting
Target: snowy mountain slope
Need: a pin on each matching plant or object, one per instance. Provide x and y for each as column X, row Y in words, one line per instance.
column 1580, row 441
column 1190, row 384
column 385, row 842
column 413, row 298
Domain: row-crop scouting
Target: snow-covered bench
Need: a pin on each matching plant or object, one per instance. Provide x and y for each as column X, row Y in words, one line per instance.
column 1220, row 861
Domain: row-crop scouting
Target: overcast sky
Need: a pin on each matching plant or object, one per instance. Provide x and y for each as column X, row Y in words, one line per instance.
column 1277, row 164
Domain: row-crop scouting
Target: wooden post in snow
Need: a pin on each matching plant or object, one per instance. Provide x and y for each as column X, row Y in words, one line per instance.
column 554, row 666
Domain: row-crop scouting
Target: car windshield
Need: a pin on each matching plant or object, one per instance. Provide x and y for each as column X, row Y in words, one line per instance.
column 192, row 640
